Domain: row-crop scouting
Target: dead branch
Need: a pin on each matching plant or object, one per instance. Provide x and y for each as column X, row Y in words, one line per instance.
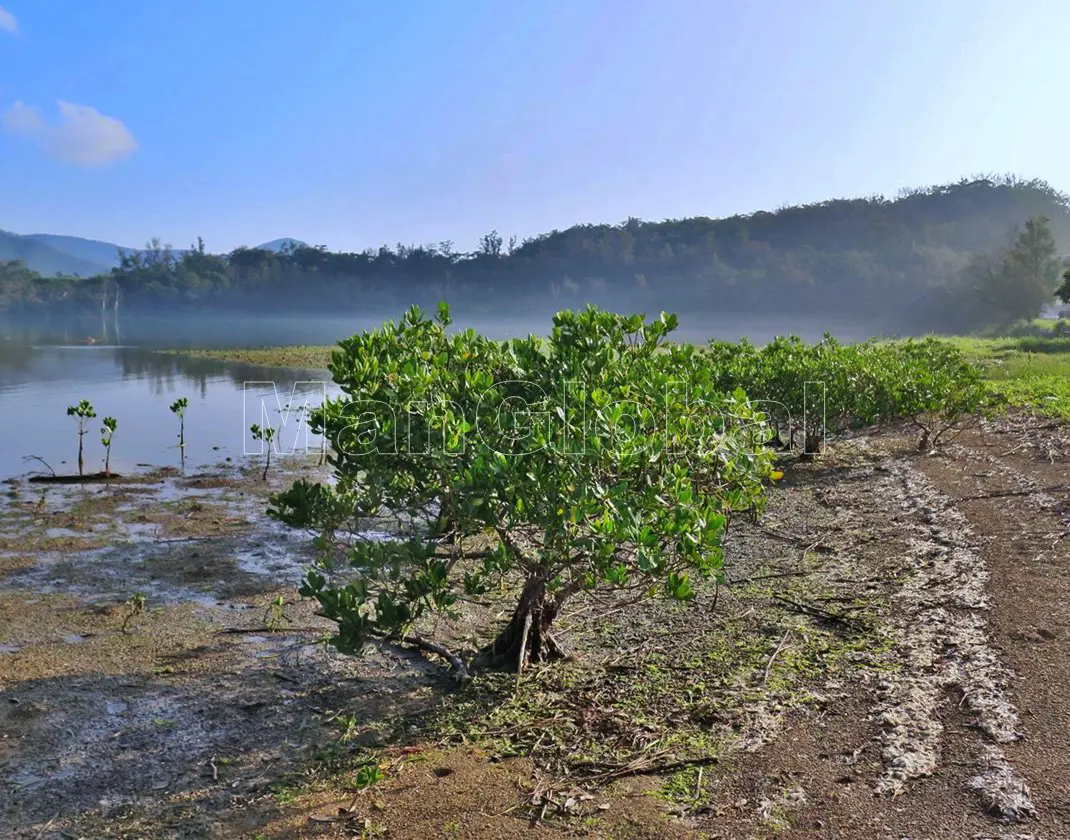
column 42, row 460
column 460, row 670
column 644, row 767
column 817, row 612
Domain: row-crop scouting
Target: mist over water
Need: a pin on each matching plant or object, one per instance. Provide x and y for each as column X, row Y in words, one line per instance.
column 209, row 330
column 45, row 367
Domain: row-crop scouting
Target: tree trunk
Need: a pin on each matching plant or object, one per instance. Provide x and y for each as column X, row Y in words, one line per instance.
column 535, row 613
column 445, row 526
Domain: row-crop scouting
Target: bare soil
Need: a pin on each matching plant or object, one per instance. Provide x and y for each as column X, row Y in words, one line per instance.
column 888, row 660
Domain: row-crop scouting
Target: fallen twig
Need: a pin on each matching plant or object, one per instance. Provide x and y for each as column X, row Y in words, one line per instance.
column 768, row 577
column 42, row 460
column 1008, row 493
column 817, row 612
column 769, row 664
column 639, row 768
column 237, row 630
column 47, row 826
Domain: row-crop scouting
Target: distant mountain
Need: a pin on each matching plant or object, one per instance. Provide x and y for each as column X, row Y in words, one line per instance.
column 277, row 245
column 46, row 259
column 50, row 254
column 93, row 250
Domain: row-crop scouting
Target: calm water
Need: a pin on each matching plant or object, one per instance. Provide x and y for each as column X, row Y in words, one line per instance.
column 137, row 387
column 42, row 371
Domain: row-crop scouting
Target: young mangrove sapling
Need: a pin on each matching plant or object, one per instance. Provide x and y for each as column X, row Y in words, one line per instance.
column 266, row 435
column 106, row 433
column 83, row 412
column 178, row 408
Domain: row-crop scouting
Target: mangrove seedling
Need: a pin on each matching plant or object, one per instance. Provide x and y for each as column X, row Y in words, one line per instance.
column 106, row 433
column 275, row 614
column 83, row 412
column 137, row 606
column 266, row 435
column 178, row 408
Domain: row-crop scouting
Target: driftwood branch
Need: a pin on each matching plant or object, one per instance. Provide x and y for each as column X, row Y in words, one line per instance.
column 42, row 460
column 769, row 664
column 523, row 650
column 460, row 670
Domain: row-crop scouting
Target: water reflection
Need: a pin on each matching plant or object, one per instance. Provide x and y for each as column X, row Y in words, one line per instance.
column 163, row 370
column 137, row 386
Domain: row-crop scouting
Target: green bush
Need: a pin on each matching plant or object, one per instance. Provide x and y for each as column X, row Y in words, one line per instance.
column 810, row 390
column 930, row 383
column 599, row 457
column 602, row 456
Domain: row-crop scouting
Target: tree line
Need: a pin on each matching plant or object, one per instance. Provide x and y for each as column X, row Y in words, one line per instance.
column 943, row 257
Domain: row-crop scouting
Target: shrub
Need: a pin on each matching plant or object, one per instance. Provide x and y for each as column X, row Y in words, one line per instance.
column 930, row 383
column 807, row 389
column 810, row 390
column 599, row 457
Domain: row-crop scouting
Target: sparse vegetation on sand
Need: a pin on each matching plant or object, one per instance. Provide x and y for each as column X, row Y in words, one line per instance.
column 298, row 357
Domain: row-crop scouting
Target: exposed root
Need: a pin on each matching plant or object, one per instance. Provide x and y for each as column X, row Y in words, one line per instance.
column 460, row 669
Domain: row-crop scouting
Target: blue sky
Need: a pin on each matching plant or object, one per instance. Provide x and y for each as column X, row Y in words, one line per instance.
column 351, row 124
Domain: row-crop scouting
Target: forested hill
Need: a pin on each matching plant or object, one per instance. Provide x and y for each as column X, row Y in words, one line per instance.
column 888, row 260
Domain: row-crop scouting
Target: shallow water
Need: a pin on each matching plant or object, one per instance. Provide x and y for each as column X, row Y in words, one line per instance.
column 43, row 371
column 137, row 387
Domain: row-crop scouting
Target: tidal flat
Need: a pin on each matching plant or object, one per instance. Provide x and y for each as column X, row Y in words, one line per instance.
column 160, row 676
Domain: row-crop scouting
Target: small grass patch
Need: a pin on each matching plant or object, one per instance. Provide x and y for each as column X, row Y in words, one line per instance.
column 1045, row 395
column 1016, row 358
column 302, row 357
column 1027, row 372
column 681, row 788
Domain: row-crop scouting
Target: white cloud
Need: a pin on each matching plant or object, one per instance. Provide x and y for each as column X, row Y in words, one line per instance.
column 83, row 136
column 7, row 21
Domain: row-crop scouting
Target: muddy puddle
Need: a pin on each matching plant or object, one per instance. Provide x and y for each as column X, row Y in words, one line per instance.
column 154, row 651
